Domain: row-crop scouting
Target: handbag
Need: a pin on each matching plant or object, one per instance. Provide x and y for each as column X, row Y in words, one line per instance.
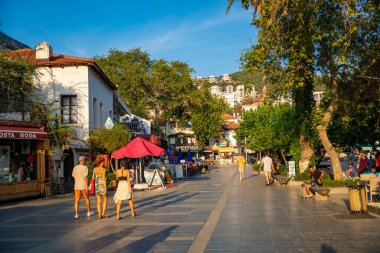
column 92, row 185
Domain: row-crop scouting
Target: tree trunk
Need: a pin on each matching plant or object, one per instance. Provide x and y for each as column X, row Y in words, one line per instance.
column 322, row 132
column 264, row 90
column 306, row 153
column 284, row 158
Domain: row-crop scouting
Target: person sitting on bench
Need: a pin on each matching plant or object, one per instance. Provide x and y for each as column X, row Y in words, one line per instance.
column 316, row 181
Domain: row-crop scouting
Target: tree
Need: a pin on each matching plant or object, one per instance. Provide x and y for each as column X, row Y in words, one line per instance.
column 170, row 91
column 104, row 140
column 16, row 75
column 129, row 71
column 302, row 40
column 147, row 85
column 270, row 128
column 206, row 121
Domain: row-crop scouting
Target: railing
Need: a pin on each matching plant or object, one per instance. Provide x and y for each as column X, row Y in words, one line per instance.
column 135, row 127
column 16, row 109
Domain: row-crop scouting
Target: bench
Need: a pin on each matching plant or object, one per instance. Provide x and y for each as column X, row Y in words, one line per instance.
column 321, row 193
column 281, row 179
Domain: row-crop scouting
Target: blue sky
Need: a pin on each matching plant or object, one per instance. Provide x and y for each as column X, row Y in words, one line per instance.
column 197, row 32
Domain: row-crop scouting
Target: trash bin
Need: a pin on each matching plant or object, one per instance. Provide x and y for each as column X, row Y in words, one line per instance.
column 358, row 200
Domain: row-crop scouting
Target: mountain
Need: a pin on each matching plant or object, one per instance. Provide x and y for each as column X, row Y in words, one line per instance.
column 8, row 43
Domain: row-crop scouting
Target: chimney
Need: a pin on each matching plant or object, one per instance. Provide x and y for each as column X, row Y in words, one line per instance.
column 44, row 51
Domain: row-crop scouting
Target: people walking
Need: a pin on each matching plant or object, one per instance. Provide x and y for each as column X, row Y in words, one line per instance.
column 267, row 163
column 79, row 174
column 124, row 188
column 101, row 187
column 241, row 164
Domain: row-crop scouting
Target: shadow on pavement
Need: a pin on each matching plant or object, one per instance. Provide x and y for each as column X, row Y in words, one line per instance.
column 147, row 243
column 175, row 199
column 100, row 242
column 327, row 249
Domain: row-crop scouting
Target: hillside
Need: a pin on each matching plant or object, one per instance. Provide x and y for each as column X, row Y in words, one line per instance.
column 248, row 78
column 8, row 43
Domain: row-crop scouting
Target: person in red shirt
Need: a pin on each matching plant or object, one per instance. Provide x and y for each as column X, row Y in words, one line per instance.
column 377, row 160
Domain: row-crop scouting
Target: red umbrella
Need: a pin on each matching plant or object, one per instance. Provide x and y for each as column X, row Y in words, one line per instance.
column 137, row 148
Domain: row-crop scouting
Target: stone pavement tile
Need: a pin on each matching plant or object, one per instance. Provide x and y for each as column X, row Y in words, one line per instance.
column 18, row 246
column 258, row 249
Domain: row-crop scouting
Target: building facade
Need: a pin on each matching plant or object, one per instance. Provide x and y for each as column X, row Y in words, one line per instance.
column 82, row 94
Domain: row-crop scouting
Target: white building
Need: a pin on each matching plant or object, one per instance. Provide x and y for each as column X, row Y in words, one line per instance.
column 230, row 98
column 226, row 78
column 229, row 89
column 215, row 90
column 213, row 79
column 82, row 91
column 239, row 93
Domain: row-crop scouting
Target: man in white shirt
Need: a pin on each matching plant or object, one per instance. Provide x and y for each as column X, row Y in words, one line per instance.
column 267, row 163
column 80, row 173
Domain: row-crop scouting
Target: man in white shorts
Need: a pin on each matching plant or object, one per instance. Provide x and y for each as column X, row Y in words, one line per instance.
column 79, row 174
column 267, row 163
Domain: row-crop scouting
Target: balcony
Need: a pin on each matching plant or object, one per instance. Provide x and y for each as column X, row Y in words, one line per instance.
column 135, row 127
column 17, row 110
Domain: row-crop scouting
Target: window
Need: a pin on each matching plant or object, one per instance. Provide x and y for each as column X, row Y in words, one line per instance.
column 69, row 109
column 100, row 114
column 94, row 112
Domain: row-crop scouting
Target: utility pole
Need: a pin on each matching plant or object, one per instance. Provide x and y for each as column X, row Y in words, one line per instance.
column 245, row 149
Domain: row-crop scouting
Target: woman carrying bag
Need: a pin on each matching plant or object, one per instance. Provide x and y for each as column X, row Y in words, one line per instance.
column 100, row 187
column 124, row 189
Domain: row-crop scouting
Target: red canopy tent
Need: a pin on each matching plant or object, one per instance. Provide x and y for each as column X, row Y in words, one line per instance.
column 137, row 148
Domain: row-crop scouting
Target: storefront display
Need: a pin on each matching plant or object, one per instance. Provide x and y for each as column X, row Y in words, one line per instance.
column 24, row 166
column 16, row 161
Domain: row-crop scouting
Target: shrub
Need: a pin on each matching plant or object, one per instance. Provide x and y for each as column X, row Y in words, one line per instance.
column 283, row 170
column 304, row 176
column 55, row 189
column 326, row 180
column 256, row 167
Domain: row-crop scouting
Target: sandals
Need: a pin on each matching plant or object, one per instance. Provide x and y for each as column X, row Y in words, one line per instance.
column 104, row 215
column 134, row 214
column 118, row 217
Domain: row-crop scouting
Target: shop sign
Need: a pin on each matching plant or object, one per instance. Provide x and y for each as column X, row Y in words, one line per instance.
column 22, row 135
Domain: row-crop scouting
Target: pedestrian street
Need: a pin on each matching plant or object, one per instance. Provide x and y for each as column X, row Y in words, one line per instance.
column 214, row 212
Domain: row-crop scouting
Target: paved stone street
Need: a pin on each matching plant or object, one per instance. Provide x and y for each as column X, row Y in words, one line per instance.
column 213, row 213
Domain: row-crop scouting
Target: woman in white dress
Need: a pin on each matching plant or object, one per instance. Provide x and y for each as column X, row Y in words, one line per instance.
column 124, row 189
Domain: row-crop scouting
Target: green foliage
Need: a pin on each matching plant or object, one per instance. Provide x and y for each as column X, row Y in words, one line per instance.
column 248, row 79
column 328, row 182
column 16, row 74
column 146, row 85
column 129, row 71
column 283, row 170
column 206, row 121
column 104, row 140
column 256, row 167
column 109, row 177
column 55, row 189
column 304, row 176
column 270, row 127
column 59, row 133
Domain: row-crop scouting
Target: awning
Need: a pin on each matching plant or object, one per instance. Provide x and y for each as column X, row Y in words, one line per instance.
column 22, row 133
column 226, row 150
